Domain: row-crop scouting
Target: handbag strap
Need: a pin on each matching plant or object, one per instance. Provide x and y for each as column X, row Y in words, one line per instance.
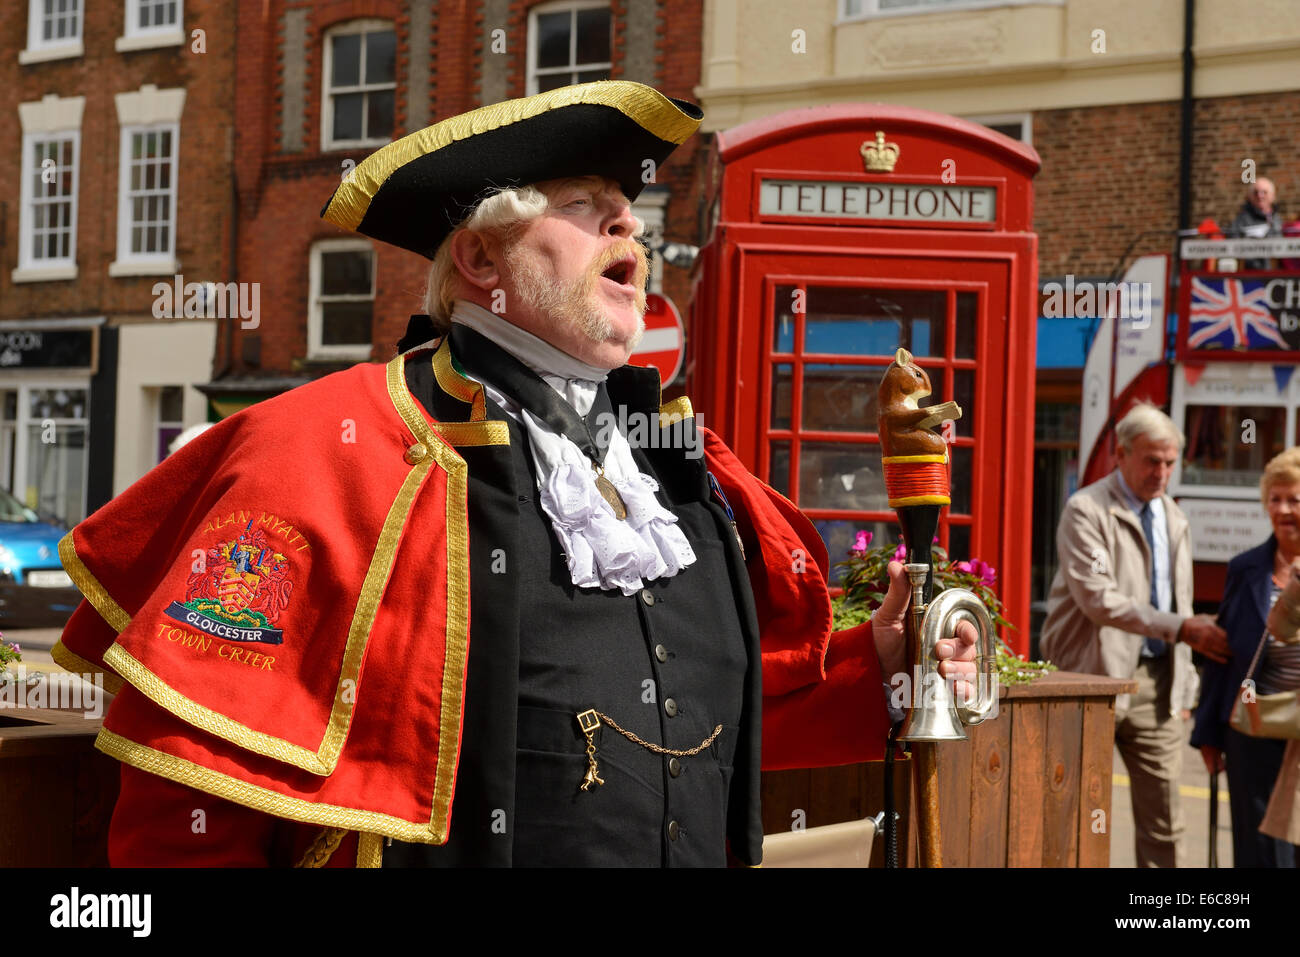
column 1254, row 662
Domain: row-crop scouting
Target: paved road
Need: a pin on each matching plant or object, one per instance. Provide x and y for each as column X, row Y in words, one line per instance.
column 1195, row 791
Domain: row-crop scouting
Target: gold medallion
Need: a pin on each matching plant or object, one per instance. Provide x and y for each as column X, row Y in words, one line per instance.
column 609, row 493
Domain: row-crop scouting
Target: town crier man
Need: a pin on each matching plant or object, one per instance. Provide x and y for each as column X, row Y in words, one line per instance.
column 489, row 603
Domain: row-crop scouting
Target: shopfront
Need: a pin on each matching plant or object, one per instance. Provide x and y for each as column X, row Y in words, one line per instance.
column 46, row 371
column 839, row 234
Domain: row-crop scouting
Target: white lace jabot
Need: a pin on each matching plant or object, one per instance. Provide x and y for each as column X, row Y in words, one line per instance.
column 602, row 550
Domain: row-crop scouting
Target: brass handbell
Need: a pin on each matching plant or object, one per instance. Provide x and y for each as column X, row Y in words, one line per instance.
column 939, row 717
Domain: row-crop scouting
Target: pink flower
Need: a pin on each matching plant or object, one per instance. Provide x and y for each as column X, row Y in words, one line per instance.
column 964, row 567
column 900, row 553
column 987, row 573
column 861, row 543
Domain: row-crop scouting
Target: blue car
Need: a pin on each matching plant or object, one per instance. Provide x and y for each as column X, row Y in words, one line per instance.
column 34, row 588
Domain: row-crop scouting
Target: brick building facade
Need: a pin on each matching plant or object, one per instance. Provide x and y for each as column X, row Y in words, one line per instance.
column 117, row 124
column 1110, row 173
column 414, row 64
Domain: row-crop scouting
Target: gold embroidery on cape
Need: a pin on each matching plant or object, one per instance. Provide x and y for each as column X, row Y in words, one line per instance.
column 89, row 585
column 457, row 565
column 488, row 432
column 370, row 850
column 69, row 660
column 323, row 759
column 451, row 382
column 262, row 799
column 674, row 411
column 323, row 848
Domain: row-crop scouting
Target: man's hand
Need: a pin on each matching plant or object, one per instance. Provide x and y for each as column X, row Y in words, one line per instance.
column 1200, row 633
column 956, row 654
column 1213, row 758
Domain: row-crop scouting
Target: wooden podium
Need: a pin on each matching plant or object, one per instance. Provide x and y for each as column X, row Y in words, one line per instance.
column 1031, row 788
column 56, row 791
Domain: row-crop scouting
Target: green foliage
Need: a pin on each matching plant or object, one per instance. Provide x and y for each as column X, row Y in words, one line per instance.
column 9, row 653
column 866, row 580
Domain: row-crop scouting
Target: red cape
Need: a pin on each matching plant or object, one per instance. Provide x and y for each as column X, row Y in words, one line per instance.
column 286, row 645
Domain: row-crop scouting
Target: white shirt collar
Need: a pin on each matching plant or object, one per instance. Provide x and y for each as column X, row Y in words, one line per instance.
column 538, row 354
column 1135, row 503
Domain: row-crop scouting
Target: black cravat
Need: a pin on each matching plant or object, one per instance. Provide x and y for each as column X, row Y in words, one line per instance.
column 488, row 361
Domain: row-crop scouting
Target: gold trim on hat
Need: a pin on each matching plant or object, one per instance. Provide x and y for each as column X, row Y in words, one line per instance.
column 644, row 105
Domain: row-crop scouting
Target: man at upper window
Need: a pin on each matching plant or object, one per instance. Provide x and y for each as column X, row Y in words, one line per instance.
column 520, row 580
column 1258, row 217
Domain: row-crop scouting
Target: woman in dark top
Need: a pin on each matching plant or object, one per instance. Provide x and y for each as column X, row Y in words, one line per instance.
column 1253, row 583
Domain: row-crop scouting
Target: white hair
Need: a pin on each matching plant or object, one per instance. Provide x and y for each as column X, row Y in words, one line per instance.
column 504, row 212
column 1145, row 419
column 501, row 213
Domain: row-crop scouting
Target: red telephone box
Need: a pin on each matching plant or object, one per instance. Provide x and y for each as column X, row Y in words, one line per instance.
column 838, row 234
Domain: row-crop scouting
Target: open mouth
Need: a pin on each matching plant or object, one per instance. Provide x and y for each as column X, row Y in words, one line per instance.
column 622, row 272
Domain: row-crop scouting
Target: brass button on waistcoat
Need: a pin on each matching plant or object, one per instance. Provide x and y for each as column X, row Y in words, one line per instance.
column 661, row 653
column 674, row 830
column 416, row 454
column 674, row 767
column 646, row 597
column 670, row 707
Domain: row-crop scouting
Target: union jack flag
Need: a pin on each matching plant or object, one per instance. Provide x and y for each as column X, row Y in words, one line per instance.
column 1226, row 315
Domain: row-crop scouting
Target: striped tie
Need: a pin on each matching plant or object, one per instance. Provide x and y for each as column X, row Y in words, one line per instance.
column 1152, row 647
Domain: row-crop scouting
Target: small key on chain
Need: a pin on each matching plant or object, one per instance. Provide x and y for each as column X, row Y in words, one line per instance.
column 589, row 721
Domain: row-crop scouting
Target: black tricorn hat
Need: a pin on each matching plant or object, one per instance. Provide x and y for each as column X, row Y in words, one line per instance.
column 414, row 191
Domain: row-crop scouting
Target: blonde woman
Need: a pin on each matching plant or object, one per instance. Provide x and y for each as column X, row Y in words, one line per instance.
column 1254, row 580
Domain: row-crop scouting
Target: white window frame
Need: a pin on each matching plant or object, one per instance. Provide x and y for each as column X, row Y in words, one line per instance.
column 853, row 11
column 159, row 263
column 146, row 38
column 327, row 140
column 62, row 267
column 572, row 6
column 1026, row 121
column 40, row 49
column 315, row 314
column 51, row 117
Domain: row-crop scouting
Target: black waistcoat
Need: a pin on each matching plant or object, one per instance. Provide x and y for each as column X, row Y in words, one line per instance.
column 668, row 664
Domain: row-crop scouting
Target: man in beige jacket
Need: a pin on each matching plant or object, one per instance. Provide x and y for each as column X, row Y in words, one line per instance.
column 1121, row 605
